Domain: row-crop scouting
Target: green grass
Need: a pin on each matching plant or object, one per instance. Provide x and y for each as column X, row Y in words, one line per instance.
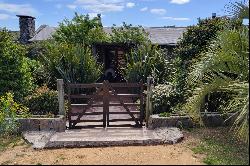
column 221, row 148
column 9, row 141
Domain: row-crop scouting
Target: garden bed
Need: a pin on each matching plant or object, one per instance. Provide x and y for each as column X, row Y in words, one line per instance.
column 42, row 123
column 209, row 120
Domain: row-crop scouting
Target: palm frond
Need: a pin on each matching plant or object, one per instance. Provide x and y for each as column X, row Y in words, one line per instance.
column 224, row 68
column 228, row 53
column 238, row 10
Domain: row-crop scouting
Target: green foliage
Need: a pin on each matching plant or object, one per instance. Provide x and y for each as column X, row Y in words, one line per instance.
column 72, row 63
column 165, row 114
column 238, row 10
column 39, row 73
column 7, row 141
column 197, row 38
column 69, row 55
column 129, row 34
column 163, row 98
column 144, row 59
column 35, row 49
column 147, row 60
column 43, row 102
column 224, row 68
column 9, row 112
column 190, row 49
column 80, row 30
column 14, row 67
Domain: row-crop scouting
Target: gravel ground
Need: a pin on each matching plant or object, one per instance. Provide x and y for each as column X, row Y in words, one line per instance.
column 137, row 155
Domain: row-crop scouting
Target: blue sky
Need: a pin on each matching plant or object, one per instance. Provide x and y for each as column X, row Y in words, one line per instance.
column 136, row 12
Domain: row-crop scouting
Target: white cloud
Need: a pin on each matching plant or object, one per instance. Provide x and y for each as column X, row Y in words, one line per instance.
column 158, row 11
column 92, row 15
column 130, row 4
column 144, row 9
column 72, row 7
column 101, row 6
column 4, row 16
column 22, row 9
column 179, row 2
column 176, row 18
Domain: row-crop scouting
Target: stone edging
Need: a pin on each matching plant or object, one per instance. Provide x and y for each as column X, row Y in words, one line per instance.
column 57, row 124
column 209, row 120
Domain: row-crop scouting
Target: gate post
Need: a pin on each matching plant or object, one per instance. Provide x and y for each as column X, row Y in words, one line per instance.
column 60, row 89
column 105, row 104
column 149, row 108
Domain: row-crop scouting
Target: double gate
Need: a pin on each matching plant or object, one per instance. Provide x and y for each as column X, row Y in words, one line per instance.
column 105, row 105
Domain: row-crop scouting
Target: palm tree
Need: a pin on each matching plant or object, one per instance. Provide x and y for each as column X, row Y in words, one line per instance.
column 224, row 68
column 238, row 10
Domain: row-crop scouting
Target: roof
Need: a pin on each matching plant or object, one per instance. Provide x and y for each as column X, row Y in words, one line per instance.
column 165, row 36
column 44, row 32
column 157, row 35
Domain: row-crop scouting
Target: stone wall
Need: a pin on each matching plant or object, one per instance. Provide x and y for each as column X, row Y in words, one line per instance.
column 209, row 120
column 42, row 124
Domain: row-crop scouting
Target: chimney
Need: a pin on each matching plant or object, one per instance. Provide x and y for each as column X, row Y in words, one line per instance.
column 27, row 28
column 213, row 15
column 99, row 18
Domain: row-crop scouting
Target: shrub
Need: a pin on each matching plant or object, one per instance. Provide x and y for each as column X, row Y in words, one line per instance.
column 81, row 29
column 72, row 63
column 15, row 74
column 224, row 70
column 163, row 98
column 189, row 50
column 129, row 34
column 197, row 38
column 43, row 101
column 147, row 60
column 9, row 111
column 39, row 73
column 69, row 56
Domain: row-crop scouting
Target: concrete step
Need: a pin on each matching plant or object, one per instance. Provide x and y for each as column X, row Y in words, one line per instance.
column 104, row 137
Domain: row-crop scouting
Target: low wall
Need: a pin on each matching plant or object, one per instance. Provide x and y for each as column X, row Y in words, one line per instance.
column 36, row 123
column 209, row 120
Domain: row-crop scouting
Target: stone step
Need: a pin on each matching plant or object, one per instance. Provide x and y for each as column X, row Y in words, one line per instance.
column 104, row 137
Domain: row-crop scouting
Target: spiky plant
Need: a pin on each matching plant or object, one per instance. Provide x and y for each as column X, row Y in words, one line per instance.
column 224, row 68
column 239, row 10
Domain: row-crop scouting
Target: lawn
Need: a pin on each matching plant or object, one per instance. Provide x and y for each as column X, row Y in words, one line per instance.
column 219, row 147
column 7, row 142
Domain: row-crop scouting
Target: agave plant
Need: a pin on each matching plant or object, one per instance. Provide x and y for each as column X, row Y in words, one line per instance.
column 147, row 60
column 224, row 68
column 73, row 63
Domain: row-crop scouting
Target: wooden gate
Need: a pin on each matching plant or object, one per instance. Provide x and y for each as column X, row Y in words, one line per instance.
column 107, row 103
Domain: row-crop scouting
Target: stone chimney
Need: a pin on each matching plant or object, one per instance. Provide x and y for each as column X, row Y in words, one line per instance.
column 99, row 16
column 213, row 15
column 27, row 28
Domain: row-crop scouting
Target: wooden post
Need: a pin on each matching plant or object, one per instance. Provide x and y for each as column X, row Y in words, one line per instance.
column 60, row 89
column 105, row 104
column 141, row 103
column 149, row 108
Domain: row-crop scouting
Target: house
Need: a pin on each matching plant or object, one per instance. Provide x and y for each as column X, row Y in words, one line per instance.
column 111, row 55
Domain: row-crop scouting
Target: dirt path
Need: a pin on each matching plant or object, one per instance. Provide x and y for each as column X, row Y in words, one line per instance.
column 136, row 155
